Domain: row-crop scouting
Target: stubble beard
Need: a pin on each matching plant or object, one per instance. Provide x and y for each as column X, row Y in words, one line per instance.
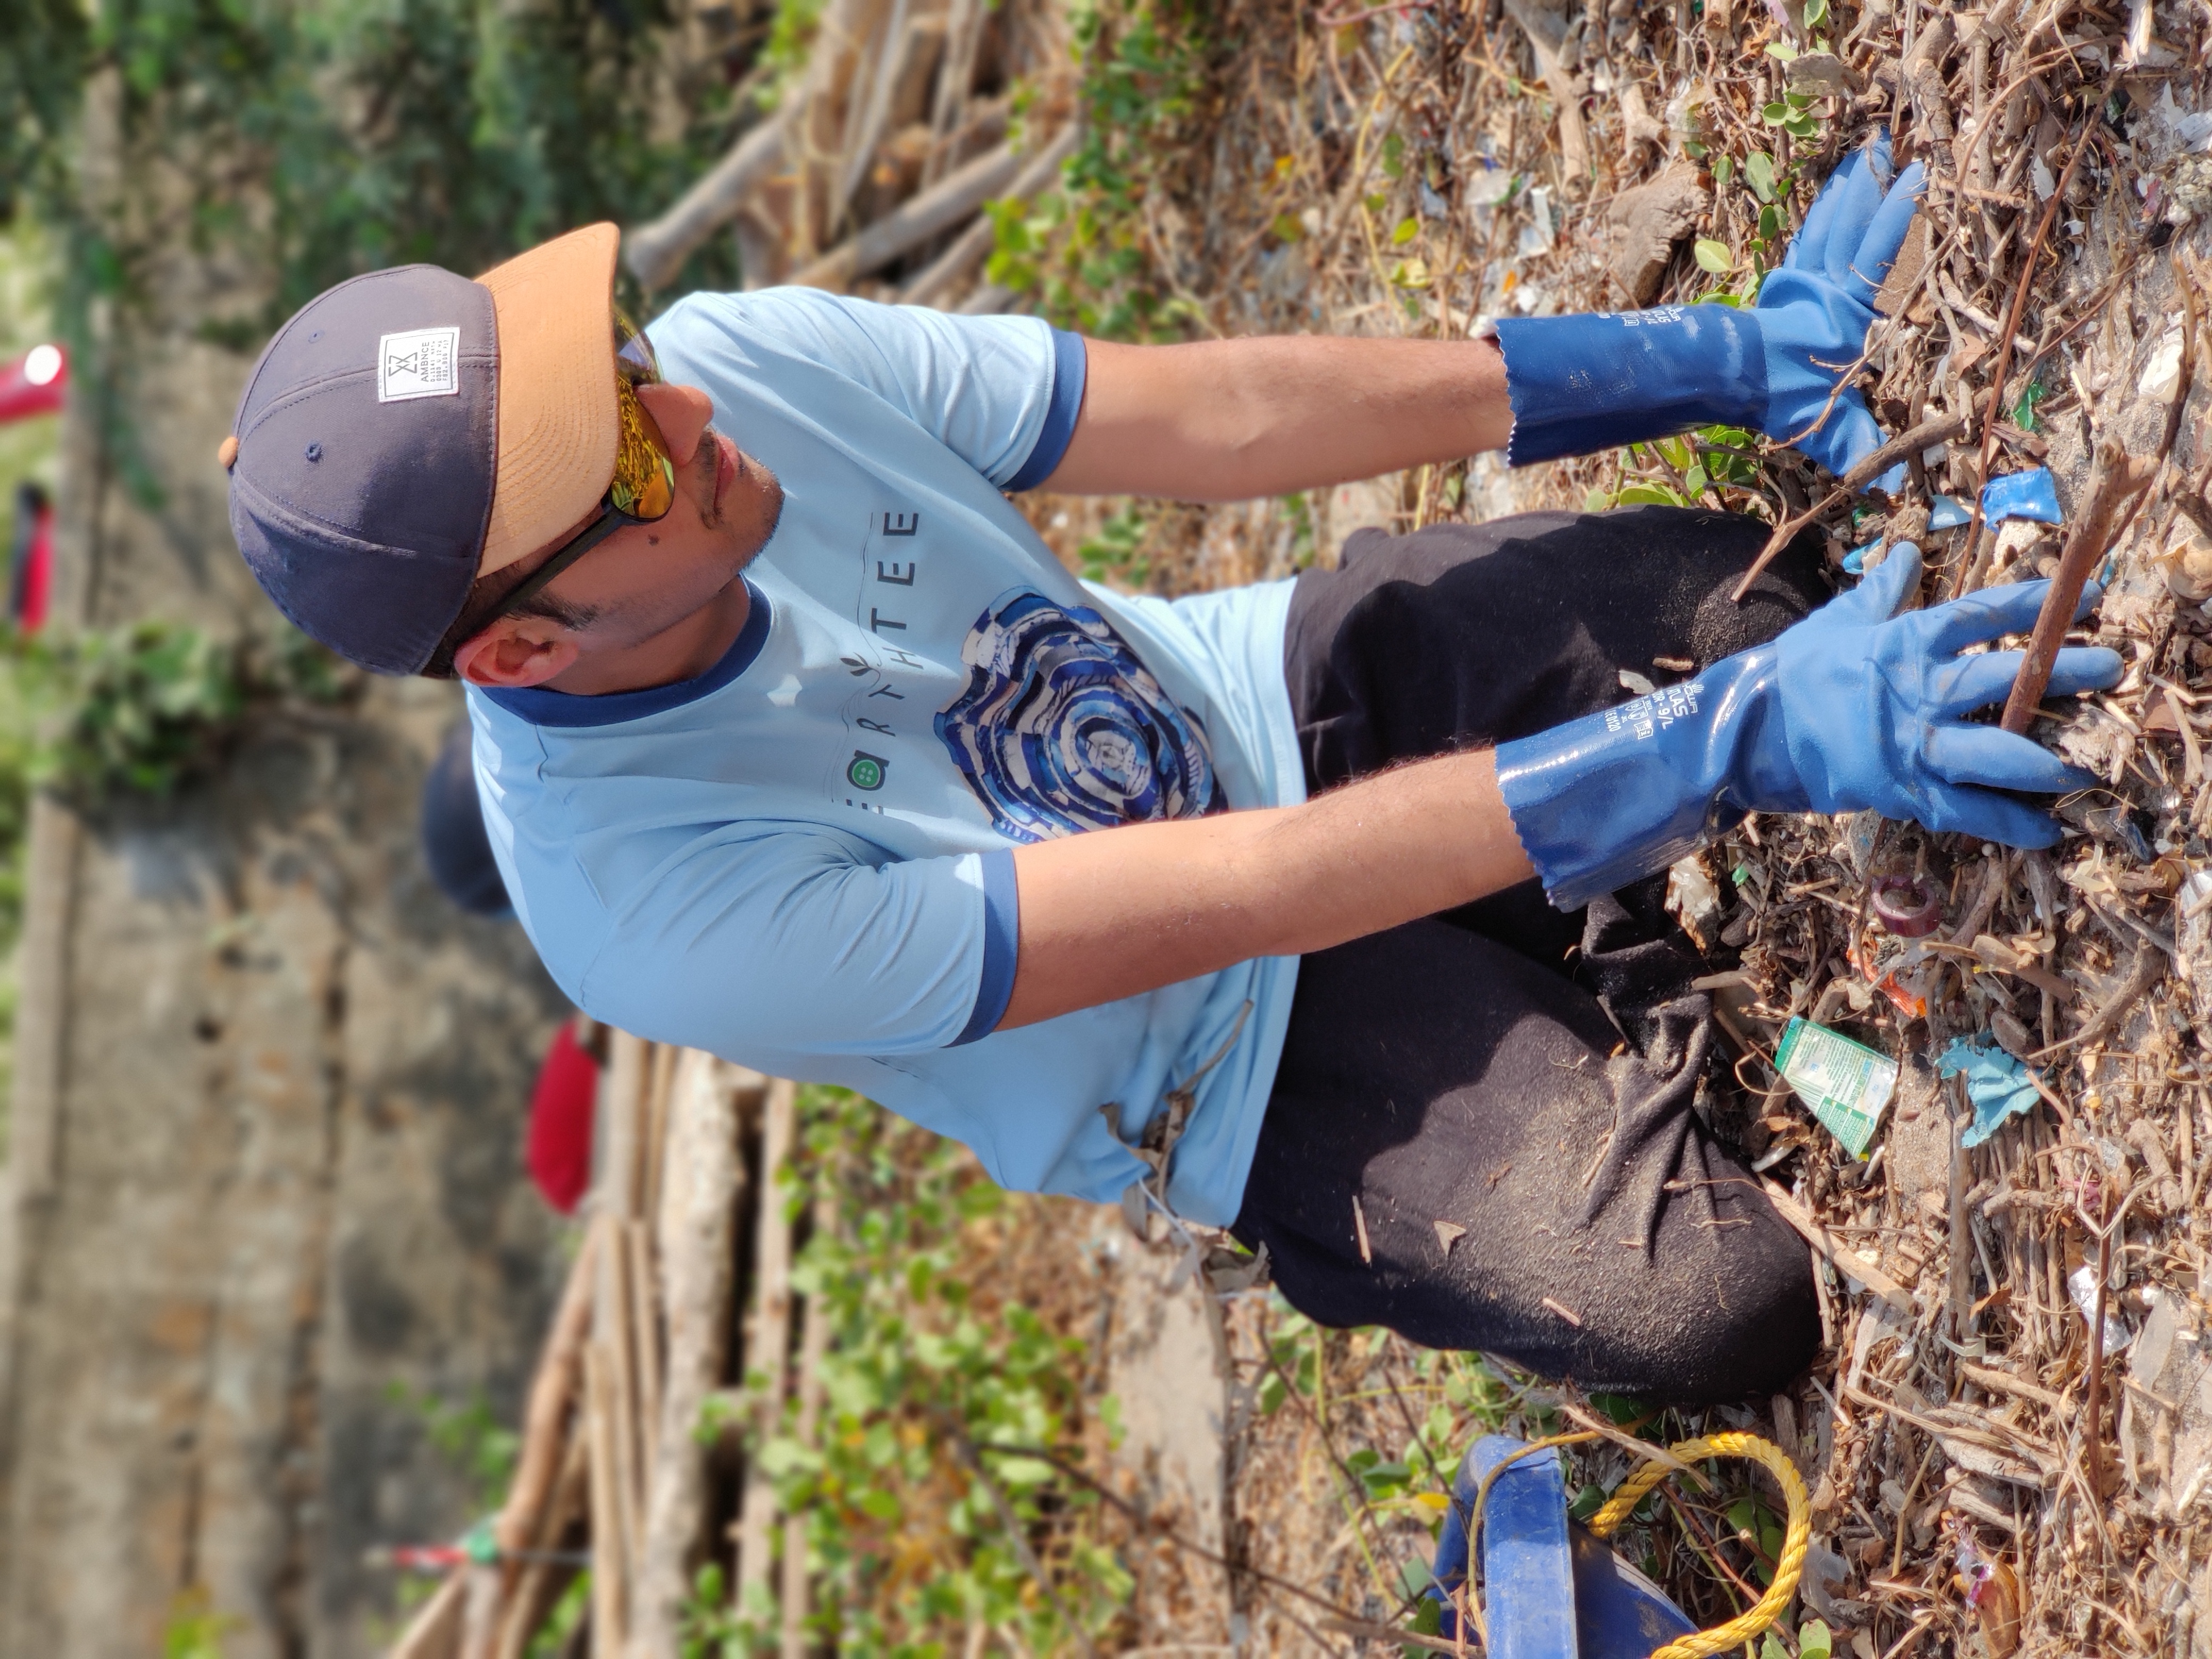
column 716, row 517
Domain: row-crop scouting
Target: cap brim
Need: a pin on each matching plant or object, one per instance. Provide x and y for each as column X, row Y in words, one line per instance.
column 557, row 422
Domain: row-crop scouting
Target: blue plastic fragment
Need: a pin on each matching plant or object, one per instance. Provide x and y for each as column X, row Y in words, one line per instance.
column 2029, row 494
column 1997, row 1083
column 1854, row 561
column 1948, row 513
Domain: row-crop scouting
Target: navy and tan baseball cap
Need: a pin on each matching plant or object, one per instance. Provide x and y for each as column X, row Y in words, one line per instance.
column 410, row 430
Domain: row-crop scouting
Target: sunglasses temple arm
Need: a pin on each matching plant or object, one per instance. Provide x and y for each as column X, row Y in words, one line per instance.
column 539, row 580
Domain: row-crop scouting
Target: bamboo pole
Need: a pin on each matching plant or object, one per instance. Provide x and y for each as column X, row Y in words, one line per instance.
column 608, row 1622
column 637, row 1259
column 969, row 249
column 434, row 1632
column 546, row 1444
column 767, row 1336
column 615, row 1133
column 542, row 1581
column 551, row 1393
column 867, row 116
column 956, row 78
column 612, row 1357
column 698, row 1220
column 915, row 220
column 822, row 127
column 618, row 1353
column 814, row 1346
column 655, row 1127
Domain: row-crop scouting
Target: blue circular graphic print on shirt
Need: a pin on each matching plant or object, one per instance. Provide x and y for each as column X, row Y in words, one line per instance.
column 1062, row 729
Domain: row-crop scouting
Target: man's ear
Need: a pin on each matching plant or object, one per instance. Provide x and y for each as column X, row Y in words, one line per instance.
column 514, row 653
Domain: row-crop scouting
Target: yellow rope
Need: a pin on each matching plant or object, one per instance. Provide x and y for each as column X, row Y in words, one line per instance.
column 1746, row 1626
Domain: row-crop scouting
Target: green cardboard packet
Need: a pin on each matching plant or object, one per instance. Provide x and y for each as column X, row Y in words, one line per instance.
column 1846, row 1083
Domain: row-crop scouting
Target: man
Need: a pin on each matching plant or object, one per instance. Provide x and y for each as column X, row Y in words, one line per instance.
column 796, row 744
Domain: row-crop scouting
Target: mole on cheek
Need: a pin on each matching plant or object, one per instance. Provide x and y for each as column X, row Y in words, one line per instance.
column 652, row 541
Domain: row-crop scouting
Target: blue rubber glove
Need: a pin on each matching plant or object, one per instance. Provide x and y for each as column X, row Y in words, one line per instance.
column 1584, row 383
column 1854, row 708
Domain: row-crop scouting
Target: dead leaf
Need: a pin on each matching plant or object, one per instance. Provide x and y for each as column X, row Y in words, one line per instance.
column 1997, row 1609
column 1650, row 221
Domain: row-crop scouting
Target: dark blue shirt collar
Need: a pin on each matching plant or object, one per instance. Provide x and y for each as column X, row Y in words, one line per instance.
column 541, row 707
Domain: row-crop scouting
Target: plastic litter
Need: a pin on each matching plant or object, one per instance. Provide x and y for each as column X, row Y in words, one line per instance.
column 1948, row 513
column 2081, row 1285
column 1997, row 1083
column 1896, row 968
column 1854, row 559
column 2029, row 494
column 1975, row 1568
column 1907, row 907
column 1846, row 1083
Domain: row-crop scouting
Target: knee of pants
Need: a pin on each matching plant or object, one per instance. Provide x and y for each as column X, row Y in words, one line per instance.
column 1759, row 1327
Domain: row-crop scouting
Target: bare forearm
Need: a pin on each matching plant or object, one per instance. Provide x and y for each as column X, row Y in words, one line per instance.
column 1233, row 420
column 1116, row 913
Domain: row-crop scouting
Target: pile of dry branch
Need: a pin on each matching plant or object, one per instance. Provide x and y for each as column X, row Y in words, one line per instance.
column 614, row 1472
column 871, row 170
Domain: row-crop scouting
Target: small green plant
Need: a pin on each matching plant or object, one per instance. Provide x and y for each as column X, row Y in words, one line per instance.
column 570, row 1611
column 469, row 1435
column 142, row 709
column 1081, row 248
column 1760, row 1531
column 1306, row 534
column 1718, row 458
column 1116, row 551
column 939, row 1387
column 194, row 1629
column 1793, row 113
column 790, row 39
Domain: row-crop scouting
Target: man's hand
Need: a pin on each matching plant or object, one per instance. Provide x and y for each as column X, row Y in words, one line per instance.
column 1585, row 383
column 1816, row 311
column 1116, row 913
column 1857, row 707
column 1875, row 702
column 1236, row 420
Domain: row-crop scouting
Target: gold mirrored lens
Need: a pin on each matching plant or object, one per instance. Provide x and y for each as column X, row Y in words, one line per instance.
column 645, row 478
column 633, row 356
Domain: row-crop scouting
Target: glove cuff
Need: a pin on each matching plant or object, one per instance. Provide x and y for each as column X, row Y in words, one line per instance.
column 1604, row 379
column 1600, row 801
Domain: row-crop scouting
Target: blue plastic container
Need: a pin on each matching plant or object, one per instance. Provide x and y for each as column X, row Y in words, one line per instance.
column 1550, row 1589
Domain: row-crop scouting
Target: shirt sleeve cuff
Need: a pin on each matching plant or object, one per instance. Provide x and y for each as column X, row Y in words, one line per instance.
column 1002, row 933
column 1069, row 364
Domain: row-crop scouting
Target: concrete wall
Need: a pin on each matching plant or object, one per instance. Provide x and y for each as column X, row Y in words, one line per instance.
column 265, row 1154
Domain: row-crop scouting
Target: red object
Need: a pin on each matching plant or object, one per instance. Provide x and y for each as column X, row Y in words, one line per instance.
column 1907, row 907
column 31, row 568
column 33, row 383
column 420, row 1558
column 559, row 1150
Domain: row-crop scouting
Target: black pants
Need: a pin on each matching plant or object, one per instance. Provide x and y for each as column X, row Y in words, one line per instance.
column 1523, row 1076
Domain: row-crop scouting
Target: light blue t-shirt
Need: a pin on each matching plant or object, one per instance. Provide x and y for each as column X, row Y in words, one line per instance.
column 802, row 860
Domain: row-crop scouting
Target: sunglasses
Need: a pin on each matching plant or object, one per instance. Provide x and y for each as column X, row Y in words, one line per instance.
column 644, row 486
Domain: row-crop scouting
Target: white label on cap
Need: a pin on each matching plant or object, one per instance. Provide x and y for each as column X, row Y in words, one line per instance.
column 420, row 363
